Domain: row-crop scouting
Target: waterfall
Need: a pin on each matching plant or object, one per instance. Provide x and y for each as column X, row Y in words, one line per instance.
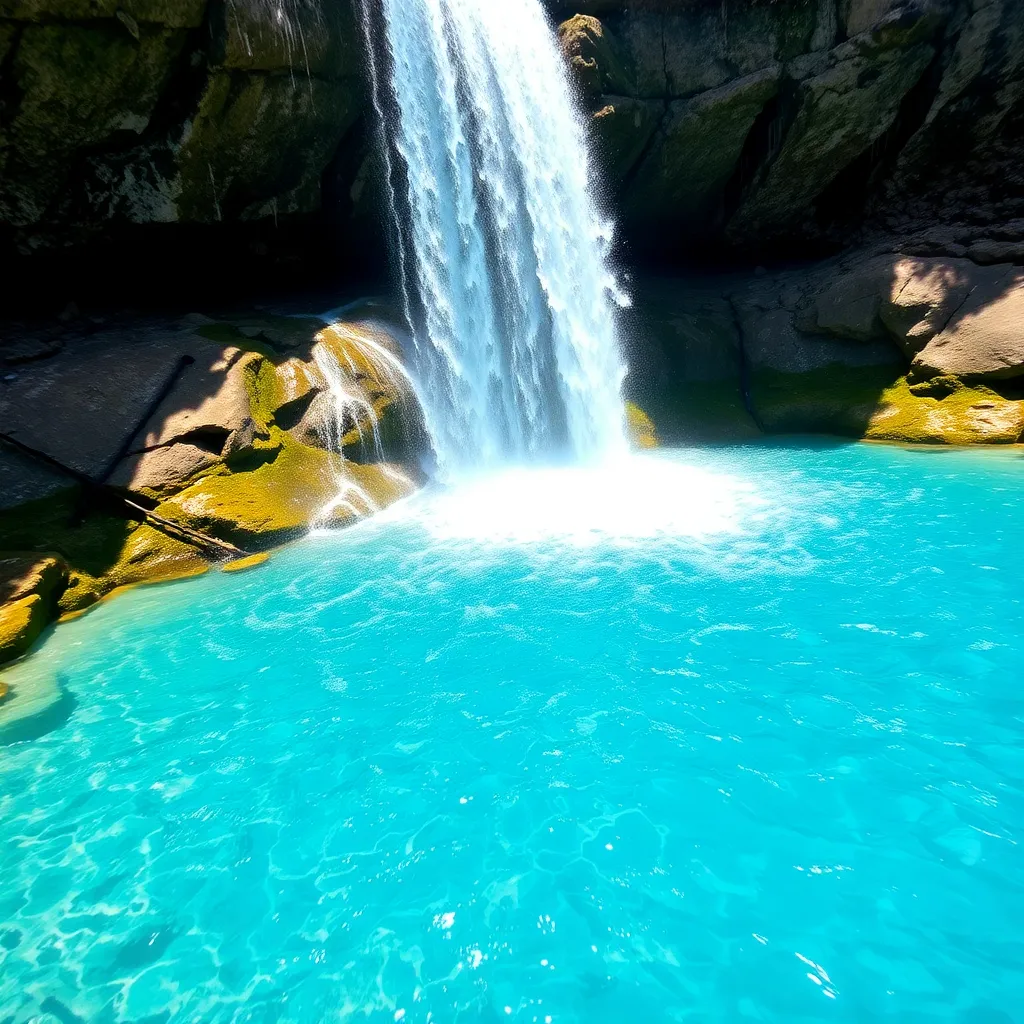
column 502, row 251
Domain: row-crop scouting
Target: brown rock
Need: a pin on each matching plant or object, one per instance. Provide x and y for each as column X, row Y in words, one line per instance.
column 80, row 405
column 990, row 250
column 922, row 296
column 850, row 306
column 593, row 56
column 30, row 586
column 985, row 337
column 164, row 470
column 773, row 343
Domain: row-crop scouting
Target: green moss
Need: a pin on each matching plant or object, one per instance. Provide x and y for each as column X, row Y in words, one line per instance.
column 30, row 585
column 148, row 555
column 245, row 564
column 51, row 524
column 101, row 552
column 640, row 427
column 21, row 622
column 264, row 388
column 866, row 402
column 594, row 56
column 277, row 501
column 962, row 415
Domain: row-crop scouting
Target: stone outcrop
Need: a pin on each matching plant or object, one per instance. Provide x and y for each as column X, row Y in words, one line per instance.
column 170, row 111
column 786, row 127
column 887, row 347
column 240, row 448
column 30, row 585
column 741, row 125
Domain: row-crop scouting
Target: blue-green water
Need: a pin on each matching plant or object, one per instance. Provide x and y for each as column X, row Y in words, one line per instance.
column 731, row 735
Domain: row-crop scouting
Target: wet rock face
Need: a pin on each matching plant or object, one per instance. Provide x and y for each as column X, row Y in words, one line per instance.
column 170, row 111
column 783, row 128
column 748, row 126
column 269, row 424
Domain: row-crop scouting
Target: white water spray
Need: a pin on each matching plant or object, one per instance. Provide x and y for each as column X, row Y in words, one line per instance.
column 511, row 300
column 349, row 367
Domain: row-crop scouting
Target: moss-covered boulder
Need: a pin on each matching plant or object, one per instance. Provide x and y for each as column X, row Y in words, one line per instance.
column 866, row 402
column 594, row 58
column 296, row 487
column 98, row 552
column 30, row 587
column 147, row 555
column 278, row 424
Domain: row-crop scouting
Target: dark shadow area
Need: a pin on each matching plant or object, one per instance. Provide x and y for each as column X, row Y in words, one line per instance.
column 162, row 267
column 49, row 719
column 93, row 543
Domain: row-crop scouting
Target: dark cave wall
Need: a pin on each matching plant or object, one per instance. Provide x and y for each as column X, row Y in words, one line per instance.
column 778, row 128
column 152, row 139
column 198, row 141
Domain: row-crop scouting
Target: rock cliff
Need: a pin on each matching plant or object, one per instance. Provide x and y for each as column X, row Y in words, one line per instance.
column 790, row 127
column 736, row 127
column 132, row 120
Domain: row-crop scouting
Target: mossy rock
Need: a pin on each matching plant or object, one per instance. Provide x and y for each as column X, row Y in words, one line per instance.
column 962, row 415
column 279, row 500
column 100, row 553
column 640, row 427
column 594, row 56
column 30, row 585
column 866, row 402
column 147, row 555
column 21, row 622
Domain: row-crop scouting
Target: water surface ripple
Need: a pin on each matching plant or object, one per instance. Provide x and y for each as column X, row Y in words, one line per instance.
column 731, row 735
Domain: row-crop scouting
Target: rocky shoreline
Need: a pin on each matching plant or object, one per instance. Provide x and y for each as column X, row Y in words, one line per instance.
column 876, row 144
column 244, row 448
column 875, row 345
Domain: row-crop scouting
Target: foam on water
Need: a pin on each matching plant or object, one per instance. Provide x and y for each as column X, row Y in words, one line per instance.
column 626, row 500
column 758, row 757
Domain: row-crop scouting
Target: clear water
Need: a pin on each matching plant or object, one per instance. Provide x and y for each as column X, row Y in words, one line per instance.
column 732, row 735
column 502, row 248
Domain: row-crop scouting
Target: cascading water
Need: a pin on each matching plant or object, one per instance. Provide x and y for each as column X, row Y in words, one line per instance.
column 503, row 254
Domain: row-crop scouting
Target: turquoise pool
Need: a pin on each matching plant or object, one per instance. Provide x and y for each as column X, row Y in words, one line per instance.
column 718, row 735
